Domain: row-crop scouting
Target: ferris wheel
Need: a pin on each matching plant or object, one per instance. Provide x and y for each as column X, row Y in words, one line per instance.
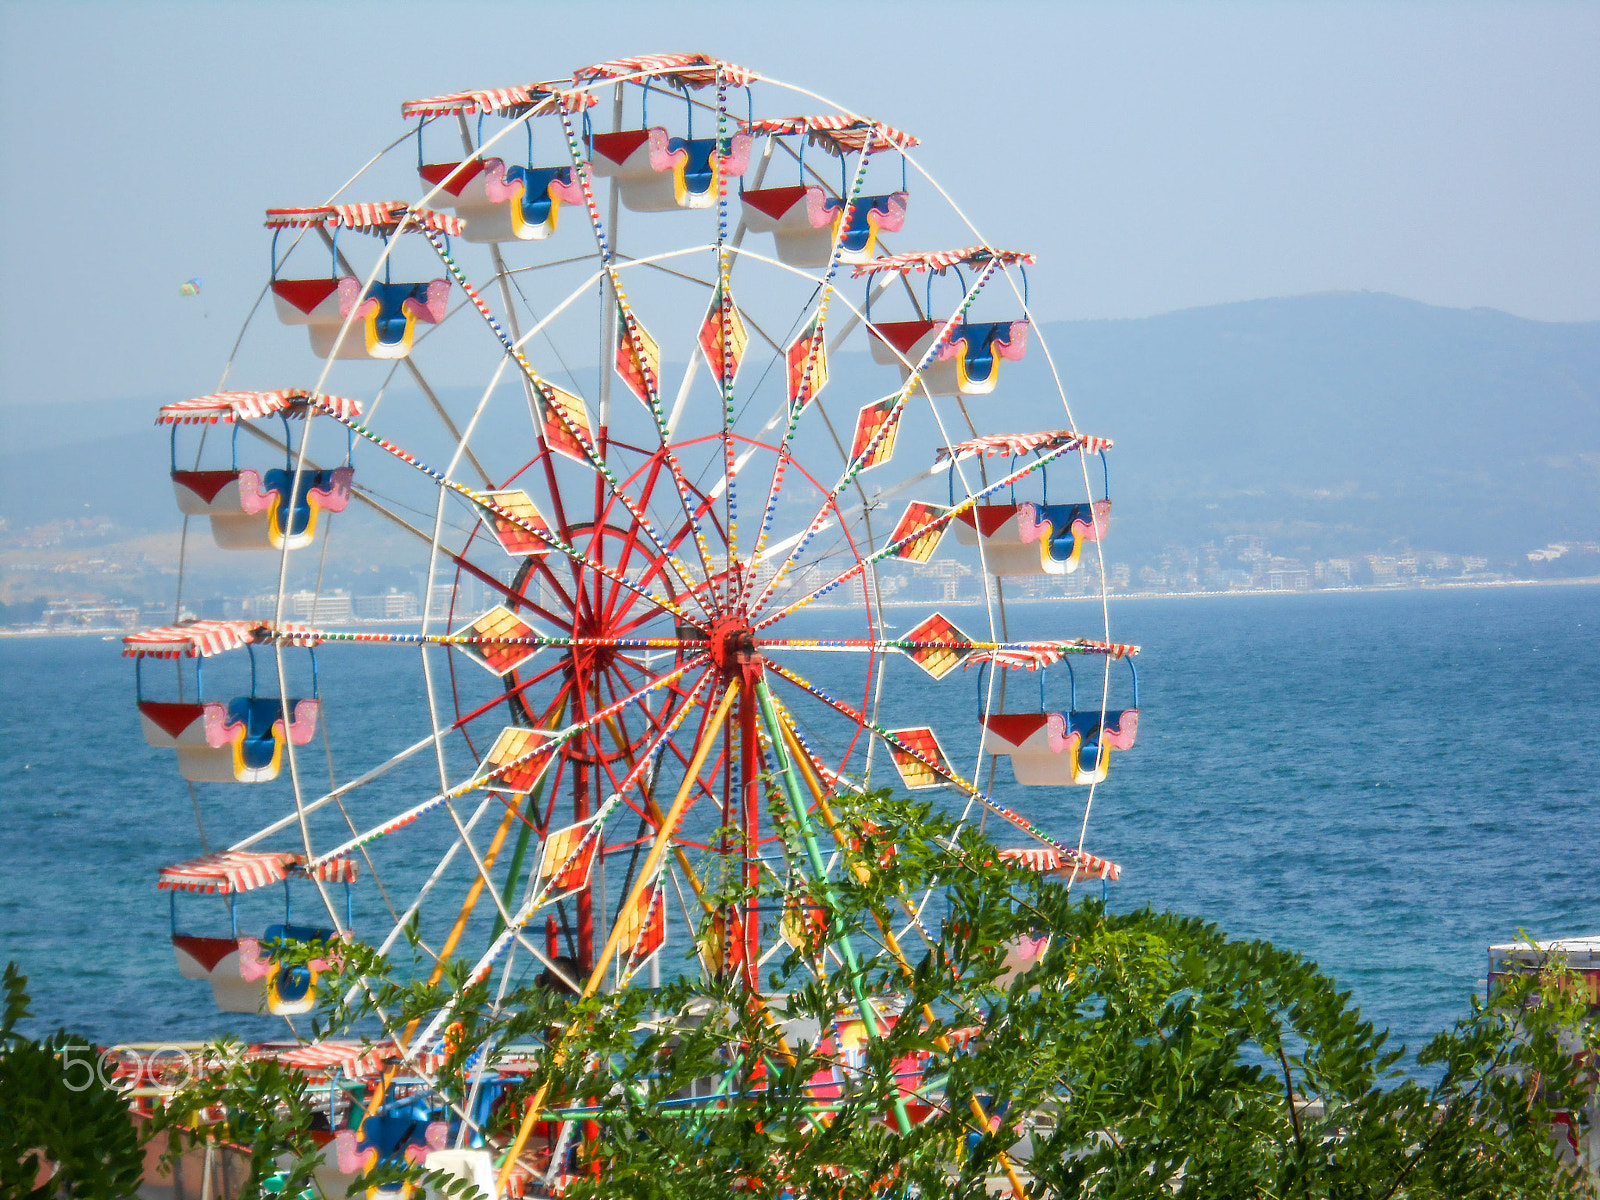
column 651, row 393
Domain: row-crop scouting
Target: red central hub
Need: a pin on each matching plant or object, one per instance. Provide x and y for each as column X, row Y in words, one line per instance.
column 732, row 644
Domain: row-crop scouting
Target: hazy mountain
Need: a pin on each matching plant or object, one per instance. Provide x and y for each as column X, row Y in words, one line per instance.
column 1340, row 423
column 1345, row 421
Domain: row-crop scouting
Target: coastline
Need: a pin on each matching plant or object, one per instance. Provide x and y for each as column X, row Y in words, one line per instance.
column 108, row 633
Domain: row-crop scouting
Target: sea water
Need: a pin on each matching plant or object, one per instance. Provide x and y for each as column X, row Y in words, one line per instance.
column 1384, row 782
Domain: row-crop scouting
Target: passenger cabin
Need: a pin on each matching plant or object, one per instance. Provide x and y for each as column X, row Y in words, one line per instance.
column 656, row 172
column 245, row 973
column 240, row 740
column 1054, row 749
column 403, row 1131
column 252, row 508
column 345, row 316
column 498, row 202
column 806, row 219
column 1030, row 537
column 965, row 361
column 1065, row 864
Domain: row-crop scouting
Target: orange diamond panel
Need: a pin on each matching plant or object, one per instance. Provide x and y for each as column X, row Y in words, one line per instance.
column 499, row 657
column 514, row 539
column 514, row 758
column 915, row 773
column 796, row 357
column 644, row 926
column 937, row 661
column 567, row 859
column 557, row 435
column 921, row 547
column 638, row 359
column 723, row 307
column 875, row 417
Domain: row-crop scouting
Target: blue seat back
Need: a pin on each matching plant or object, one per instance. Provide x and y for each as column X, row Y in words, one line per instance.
column 536, row 183
column 299, row 508
column 257, row 714
column 1060, row 518
column 857, row 230
column 1088, row 726
column 981, row 337
column 698, row 174
column 391, row 298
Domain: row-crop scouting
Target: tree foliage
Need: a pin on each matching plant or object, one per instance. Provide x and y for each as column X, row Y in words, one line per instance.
column 1145, row 1055
column 56, row 1122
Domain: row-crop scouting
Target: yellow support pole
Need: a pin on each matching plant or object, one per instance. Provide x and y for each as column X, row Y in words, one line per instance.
column 814, row 786
column 658, row 851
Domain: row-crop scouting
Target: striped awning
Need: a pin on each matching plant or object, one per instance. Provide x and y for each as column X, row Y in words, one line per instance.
column 382, row 217
column 1035, row 656
column 940, row 261
column 1025, row 658
column 227, row 407
column 353, row 1060
column 515, row 101
column 838, row 134
column 231, row 871
column 1047, row 860
column 994, row 444
column 202, row 639
column 679, row 70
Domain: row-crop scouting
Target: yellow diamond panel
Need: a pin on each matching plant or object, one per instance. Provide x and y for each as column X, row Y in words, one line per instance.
column 873, row 419
column 936, row 660
column 517, row 758
column 925, row 766
column 921, row 546
column 514, row 538
column 638, row 358
column 499, row 656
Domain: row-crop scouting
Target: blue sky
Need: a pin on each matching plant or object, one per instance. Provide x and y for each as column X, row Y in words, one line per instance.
column 1155, row 156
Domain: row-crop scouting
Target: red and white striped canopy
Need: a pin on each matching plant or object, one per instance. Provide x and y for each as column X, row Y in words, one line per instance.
column 228, row 407
column 230, row 871
column 680, row 70
column 382, row 217
column 1026, row 658
column 514, row 101
column 1038, row 655
column 350, row 1059
column 1047, row 860
column 940, row 261
column 994, row 444
column 839, row 133
column 202, row 639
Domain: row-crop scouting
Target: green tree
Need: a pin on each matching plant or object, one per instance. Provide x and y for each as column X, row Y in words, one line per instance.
column 1145, row 1055
column 59, row 1120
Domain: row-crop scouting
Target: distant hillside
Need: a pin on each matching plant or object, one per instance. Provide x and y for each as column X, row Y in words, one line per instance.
column 1344, row 422
column 1330, row 424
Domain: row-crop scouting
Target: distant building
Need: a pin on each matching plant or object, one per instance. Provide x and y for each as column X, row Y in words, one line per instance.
column 1333, row 572
column 393, row 605
column 67, row 615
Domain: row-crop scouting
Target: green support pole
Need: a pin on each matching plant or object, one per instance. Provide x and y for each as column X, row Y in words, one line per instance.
column 819, row 867
column 518, row 853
